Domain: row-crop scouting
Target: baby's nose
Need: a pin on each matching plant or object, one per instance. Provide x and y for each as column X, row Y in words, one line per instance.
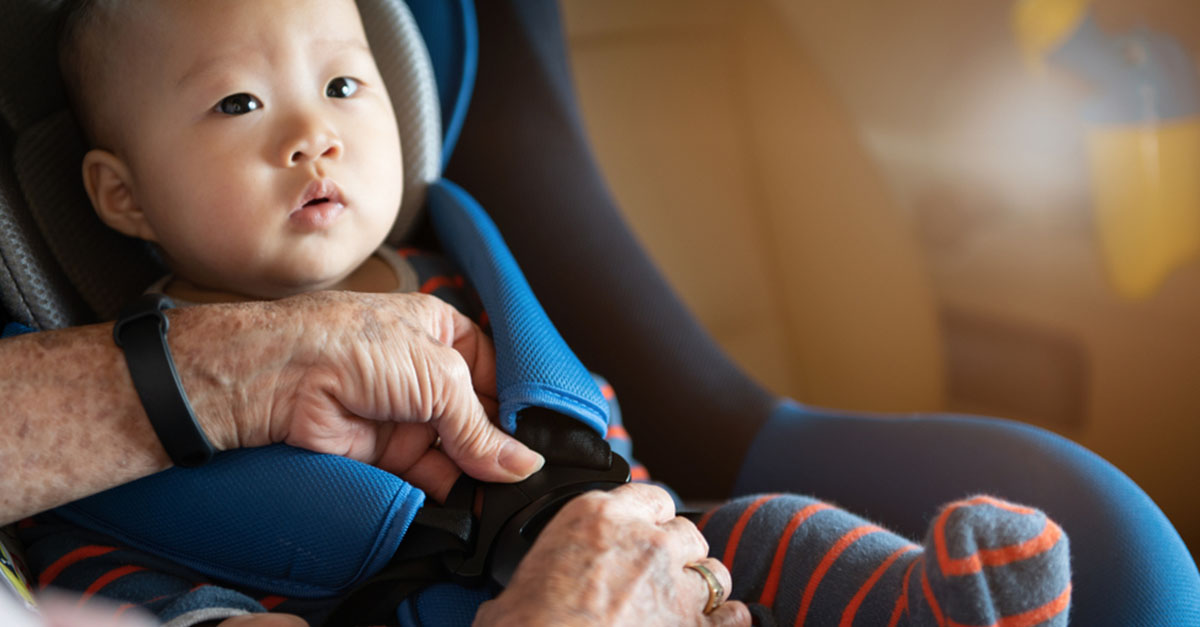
column 307, row 136
column 313, row 147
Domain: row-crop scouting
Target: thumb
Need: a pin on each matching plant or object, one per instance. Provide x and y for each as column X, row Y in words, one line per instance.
column 731, row 614
column 479, row 447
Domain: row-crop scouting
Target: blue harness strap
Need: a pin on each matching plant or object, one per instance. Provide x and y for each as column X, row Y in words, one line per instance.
column 534, row 366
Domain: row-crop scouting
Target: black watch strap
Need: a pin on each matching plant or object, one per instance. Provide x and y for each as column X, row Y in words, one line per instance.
column 141, row 331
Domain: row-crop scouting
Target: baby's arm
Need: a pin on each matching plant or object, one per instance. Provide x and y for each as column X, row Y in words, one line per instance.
column 67, row 558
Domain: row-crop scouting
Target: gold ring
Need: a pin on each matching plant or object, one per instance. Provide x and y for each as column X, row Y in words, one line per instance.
column 715, row 589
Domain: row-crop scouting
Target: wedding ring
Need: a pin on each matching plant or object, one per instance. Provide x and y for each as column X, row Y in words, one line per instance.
column 715, row 589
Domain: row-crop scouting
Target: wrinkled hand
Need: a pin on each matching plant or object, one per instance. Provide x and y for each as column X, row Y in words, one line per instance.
column 614, row 558
column 379, row 378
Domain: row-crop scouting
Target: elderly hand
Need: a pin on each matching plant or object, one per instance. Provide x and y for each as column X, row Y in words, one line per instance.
column 615, row 558
column 374, row 377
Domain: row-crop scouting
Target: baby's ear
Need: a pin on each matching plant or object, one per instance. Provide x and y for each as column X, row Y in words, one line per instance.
column 110, row 186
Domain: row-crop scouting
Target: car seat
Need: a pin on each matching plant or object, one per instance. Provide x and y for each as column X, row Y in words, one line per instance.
column 513, row 138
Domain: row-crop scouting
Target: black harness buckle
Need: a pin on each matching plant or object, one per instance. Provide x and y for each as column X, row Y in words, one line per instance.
column 449, row 542
column 513, row 514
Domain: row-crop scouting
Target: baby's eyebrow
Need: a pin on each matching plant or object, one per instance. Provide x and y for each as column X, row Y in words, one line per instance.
column 208, row 63
column 343, row 42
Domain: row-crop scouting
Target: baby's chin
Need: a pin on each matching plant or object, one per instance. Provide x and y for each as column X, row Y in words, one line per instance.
column 289, row 278
column 186, row 290
column 280, row 290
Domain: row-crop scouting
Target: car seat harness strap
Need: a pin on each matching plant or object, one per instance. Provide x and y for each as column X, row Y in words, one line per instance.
column 448, row 542
column 141, row 332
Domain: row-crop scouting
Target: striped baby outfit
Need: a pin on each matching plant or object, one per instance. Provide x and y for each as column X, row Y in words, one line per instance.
column 799, row 561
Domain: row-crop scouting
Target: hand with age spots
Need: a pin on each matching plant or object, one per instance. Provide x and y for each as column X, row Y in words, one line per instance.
column 615, row 558
column 401, row 381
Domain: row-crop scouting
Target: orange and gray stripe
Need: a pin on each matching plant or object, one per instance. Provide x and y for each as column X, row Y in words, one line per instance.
column 985, row 562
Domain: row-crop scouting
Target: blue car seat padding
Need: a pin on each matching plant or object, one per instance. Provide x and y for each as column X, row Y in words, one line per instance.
column 445, row 605
column 276, row 518
column 451, row 37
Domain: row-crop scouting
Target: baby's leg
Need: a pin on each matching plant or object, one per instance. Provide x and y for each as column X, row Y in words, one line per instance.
column 800, row 561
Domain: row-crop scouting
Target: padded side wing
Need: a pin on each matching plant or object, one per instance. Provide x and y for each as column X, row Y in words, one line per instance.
column 277, row 519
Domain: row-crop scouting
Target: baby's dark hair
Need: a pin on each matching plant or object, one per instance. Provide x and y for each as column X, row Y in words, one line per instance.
column 80, row 65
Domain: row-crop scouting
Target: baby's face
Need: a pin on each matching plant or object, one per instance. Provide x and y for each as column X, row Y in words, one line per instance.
column 260, row 141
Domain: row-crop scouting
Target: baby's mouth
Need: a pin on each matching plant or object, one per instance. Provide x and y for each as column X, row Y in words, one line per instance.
column 319, row 206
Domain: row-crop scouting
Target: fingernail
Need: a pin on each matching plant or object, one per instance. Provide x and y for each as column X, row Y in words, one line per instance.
column 520, row 460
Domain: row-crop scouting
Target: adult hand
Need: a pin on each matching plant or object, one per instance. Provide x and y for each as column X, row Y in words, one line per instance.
column 376, row 377
column 59, row 609
column 615, row 558
column 380, row 378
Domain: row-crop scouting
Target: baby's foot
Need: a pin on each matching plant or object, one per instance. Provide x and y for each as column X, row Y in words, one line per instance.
column 990, row 562
column 799, row 561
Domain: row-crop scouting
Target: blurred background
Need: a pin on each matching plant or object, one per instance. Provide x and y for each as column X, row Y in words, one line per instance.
column 932, row 205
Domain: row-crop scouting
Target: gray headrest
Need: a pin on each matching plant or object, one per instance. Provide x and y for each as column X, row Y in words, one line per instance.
column 404, row 62
column 60, row 265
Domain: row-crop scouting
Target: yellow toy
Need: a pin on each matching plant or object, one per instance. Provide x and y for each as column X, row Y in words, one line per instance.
column 11, row 575
column 1144, row 137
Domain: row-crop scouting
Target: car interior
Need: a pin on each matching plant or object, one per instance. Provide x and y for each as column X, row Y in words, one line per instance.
column 884, row 255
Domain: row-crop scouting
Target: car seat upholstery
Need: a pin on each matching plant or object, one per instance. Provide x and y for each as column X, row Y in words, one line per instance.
column 700, row 424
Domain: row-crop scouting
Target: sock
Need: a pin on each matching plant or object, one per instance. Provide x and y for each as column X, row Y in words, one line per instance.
column 799, row 561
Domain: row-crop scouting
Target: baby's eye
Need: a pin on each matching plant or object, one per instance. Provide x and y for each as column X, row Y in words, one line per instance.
column 238, row 104
column 341, row 87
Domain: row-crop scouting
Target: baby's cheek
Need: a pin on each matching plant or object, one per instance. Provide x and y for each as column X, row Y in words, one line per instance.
column 380, row 164
column 385, row 180
column 223, row 249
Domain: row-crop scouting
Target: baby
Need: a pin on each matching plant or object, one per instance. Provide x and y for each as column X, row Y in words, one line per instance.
column 253, row 143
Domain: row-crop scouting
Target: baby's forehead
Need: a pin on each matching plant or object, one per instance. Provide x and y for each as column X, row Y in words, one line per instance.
column 157, row 26
column 110, row 47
